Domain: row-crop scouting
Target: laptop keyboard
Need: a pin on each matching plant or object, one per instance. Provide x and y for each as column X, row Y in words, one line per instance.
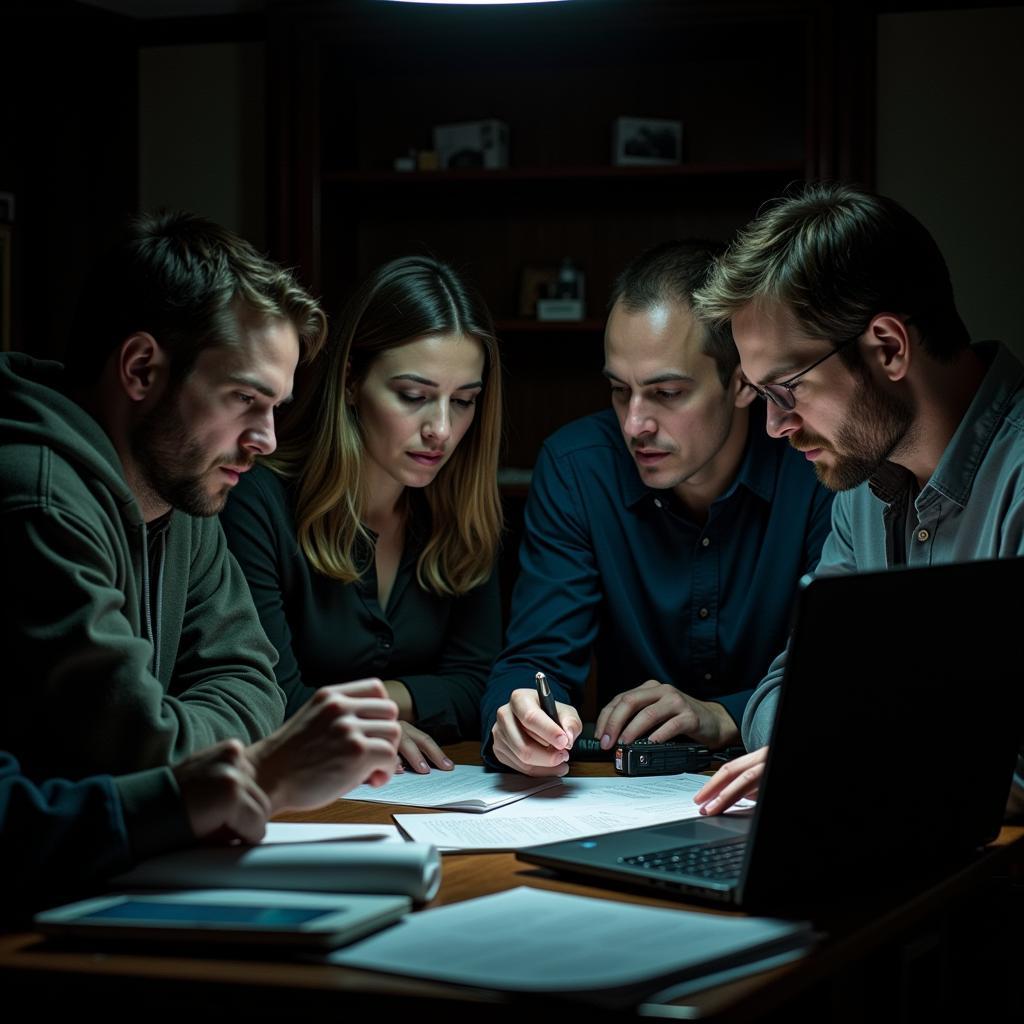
column 719, row 862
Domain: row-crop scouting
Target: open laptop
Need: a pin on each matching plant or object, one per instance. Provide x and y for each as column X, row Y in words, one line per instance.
column 900, row 718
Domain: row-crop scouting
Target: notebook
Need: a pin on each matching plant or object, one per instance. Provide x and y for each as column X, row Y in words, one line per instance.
column 899, row 721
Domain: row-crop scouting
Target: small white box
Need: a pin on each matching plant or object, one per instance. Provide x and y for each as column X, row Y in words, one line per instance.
column 560, row 309
column 646, row 141
column 472, row 144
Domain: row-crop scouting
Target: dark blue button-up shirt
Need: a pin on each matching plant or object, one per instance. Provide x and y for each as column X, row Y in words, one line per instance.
column 611, row 566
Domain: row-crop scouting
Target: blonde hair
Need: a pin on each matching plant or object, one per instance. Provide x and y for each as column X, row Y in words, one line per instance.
column 322, row 445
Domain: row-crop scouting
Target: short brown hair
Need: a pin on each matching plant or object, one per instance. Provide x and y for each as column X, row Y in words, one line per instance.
column 188, row 282
column 836, row 256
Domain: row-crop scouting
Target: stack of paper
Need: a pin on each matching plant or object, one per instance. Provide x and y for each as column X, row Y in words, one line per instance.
column 599, row 951
column 404, row 869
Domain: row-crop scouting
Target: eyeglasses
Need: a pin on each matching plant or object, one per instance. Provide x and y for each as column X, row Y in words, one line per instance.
column 781, row 394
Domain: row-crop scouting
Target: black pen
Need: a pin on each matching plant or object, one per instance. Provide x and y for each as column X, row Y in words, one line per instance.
column 547, row 702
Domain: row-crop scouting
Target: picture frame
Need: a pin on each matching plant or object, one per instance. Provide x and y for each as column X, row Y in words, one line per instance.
column 646, row 142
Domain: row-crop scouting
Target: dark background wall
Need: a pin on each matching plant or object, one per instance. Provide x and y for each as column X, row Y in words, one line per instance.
column 68, row 153
column 107, row 114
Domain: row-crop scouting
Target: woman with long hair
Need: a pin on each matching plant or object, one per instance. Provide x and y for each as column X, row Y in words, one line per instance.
column 369, row 538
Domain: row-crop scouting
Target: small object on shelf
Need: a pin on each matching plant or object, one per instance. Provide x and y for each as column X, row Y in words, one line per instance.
column 472, row 144
column 426, row 160
column 565, row 302
column 406, row 162
column 646, row 141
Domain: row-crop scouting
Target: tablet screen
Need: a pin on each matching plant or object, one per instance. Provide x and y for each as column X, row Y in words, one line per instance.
column 206, row 913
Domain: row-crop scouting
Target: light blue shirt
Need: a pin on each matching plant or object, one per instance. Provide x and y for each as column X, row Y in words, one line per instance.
column 971, row 508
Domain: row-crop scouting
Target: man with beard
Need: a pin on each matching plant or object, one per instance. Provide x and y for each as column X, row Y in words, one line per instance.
column 666, row 534
column 130, row 639
column 920, row 431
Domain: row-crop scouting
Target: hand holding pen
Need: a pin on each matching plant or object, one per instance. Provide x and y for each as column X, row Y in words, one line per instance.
column 535, row 744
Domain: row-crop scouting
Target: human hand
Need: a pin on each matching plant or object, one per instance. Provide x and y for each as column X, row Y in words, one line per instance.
column 659, row 712
column 735, row 780
column 526, row 739
column 221, row 796
column 415, row 746
column 342, row 736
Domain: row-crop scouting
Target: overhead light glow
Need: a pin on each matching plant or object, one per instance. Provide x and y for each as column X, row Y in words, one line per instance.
column 478, row 3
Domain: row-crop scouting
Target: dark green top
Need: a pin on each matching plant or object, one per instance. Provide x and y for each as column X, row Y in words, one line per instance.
column 109, row 668
column 330, row 632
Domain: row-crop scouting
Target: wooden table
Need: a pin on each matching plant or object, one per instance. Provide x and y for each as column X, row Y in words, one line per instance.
column 872, row 965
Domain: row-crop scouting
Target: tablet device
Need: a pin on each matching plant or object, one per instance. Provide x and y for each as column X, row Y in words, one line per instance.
column 299, row 919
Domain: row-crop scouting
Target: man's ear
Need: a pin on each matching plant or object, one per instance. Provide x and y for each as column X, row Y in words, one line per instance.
column 886, row 345
column 742, row 395
column 142, row 366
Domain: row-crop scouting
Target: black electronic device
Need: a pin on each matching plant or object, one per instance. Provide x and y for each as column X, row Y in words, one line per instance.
column 588, row 747
column 643, row 757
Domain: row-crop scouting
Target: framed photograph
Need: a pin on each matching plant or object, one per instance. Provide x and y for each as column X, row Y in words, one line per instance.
column 537, row 283
column 646, row 141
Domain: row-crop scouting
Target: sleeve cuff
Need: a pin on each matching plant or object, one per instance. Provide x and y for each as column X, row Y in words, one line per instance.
column 735, row 704
column 154, row 813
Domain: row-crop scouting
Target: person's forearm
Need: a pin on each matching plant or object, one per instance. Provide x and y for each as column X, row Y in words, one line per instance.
column 400, row 694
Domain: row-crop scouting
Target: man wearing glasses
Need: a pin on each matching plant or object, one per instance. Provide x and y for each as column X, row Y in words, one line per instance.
column 666, row 534
column 920, row 431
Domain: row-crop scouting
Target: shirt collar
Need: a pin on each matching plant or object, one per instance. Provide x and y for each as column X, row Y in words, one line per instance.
column 955, row 473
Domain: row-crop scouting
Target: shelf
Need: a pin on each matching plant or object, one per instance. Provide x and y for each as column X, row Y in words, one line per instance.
column 524, row 326
column 564, row 174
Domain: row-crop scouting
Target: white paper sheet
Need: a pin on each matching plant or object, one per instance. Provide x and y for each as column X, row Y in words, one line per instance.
column 467, row 787
column 318, row 832
column 578, row 807
column 532, row 940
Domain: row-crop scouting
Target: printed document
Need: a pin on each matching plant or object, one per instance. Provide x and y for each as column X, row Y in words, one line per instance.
column 467, row 787
column 577, row 807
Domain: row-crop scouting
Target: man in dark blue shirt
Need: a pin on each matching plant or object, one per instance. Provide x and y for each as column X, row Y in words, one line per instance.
column 666, row 535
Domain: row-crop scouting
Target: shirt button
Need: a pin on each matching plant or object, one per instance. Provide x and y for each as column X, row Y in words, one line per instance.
column 384, row 642
column 657, row 503
column 923, row 535
column 707, row 677
column 703, row 613
column 705, row 542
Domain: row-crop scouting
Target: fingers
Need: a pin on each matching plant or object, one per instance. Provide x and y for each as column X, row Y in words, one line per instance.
column 377, row 755
column 220, row 794
column 733, row 781
column 508, row 757
column 570, row 719
column 514, row 747
column 416, row 745
column 248, row 814
column 636, row 712
column 525, row 707
column 359, row 688
column 377, row 778
column 328, row 700
column 435, row 753
column 352, row 726
column 683, row 724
